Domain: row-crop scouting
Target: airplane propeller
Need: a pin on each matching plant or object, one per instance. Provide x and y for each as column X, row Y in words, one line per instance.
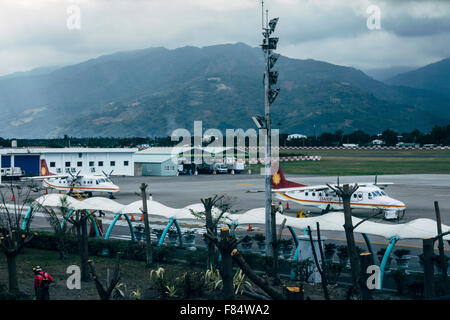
column 74, row 180
column 111, row 196
column 108, row 175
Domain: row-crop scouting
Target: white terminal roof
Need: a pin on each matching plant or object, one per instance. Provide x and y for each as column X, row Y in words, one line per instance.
column 40, row 150
column 177, row 150
column 334, row 221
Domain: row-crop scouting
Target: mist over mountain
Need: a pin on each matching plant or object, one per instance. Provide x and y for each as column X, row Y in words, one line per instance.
column 382, row 74
column 155, row 91
column 434, row 77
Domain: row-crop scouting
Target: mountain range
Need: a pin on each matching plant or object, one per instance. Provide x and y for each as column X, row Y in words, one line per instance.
column 151, row 92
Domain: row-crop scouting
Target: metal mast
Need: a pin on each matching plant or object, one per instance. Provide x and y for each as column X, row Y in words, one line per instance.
column 270, row 79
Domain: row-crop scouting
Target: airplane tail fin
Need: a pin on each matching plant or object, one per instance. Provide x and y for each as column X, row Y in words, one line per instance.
column 280, row 182
column 44, row 169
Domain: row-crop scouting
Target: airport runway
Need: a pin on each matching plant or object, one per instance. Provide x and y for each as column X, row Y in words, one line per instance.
column 418, row 192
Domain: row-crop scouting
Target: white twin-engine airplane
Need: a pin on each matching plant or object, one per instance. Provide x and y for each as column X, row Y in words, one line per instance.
column 368, row 197
column 76, row 183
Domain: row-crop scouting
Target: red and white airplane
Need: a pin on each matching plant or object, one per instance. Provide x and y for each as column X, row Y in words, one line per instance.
column 368, row 197
column 76, row 183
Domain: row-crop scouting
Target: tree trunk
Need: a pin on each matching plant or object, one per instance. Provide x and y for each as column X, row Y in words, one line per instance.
column 147, row 230
column 227, row 277
column 366, row 261
column 443, row 259
column 12, row 272
column 260, row 282
column 428, row 268
column 348, row 226
column 84, row 253
column 212, row 260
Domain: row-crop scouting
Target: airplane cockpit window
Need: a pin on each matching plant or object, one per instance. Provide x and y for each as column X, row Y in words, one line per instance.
column 383, row 193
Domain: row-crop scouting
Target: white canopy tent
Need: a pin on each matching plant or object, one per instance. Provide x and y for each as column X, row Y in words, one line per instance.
column 334, row 221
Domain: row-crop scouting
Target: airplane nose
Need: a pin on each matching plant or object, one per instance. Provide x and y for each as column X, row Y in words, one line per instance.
column 399, row 203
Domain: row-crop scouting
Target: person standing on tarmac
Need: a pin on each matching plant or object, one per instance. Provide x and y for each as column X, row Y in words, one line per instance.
column 42, row 282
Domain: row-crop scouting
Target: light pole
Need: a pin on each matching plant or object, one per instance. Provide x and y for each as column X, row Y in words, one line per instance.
column 270, row 79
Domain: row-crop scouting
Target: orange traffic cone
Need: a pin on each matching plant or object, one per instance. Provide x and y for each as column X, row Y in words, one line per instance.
column 120, row 217
column 131, row 217
column 46, row 191
column 249, row 227
column 59, row 191
column 287, row 204
column 12, row 197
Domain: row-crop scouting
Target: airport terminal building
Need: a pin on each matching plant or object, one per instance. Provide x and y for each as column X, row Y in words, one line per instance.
column 73, row 160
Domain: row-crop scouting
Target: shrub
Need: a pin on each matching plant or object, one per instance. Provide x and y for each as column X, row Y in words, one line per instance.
column 164, row 254
column 192, row 284
column 400, row 253
column 401, row 281
column 259, row 237
column 16, row 295
column 330, row 247
column 197, row 257
column 342, row 252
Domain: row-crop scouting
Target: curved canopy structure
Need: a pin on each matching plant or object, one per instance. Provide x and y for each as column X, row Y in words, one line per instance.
column 334, row 221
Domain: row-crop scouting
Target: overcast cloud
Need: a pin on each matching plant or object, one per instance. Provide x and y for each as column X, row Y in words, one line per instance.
column 34, row 33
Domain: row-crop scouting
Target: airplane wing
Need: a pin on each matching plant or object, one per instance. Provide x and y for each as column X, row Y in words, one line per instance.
column 378, row 184
column 307, row 188
column 45, row 177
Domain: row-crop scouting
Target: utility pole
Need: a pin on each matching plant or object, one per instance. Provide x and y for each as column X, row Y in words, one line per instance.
column 270, row 79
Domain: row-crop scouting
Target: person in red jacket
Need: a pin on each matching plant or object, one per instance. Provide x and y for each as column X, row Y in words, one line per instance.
column 42, row 282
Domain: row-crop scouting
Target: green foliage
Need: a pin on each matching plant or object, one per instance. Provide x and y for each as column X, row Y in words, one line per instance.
column 400, row 253
column 97, row 247
column 197, row 257
column 213, row 279
column 401, row 280
column 239, row 282
column 16, row 295
column 334, row 271
column 259, row 237
column 303, row 269
column 342, row 253
column 192, row 284
column 330, row 247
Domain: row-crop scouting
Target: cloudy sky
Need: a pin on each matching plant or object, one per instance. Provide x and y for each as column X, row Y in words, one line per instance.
column 35, row 33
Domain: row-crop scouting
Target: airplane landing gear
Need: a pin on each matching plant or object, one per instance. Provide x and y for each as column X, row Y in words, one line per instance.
column 111, row 196
column 326, row 210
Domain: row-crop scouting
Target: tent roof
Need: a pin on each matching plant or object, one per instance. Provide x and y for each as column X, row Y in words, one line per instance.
column 334, row 221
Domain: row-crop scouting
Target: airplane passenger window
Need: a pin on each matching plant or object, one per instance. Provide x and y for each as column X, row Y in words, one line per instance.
column 360, row 195
column 313, row 194
column 354, row 195
column 306, row 193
